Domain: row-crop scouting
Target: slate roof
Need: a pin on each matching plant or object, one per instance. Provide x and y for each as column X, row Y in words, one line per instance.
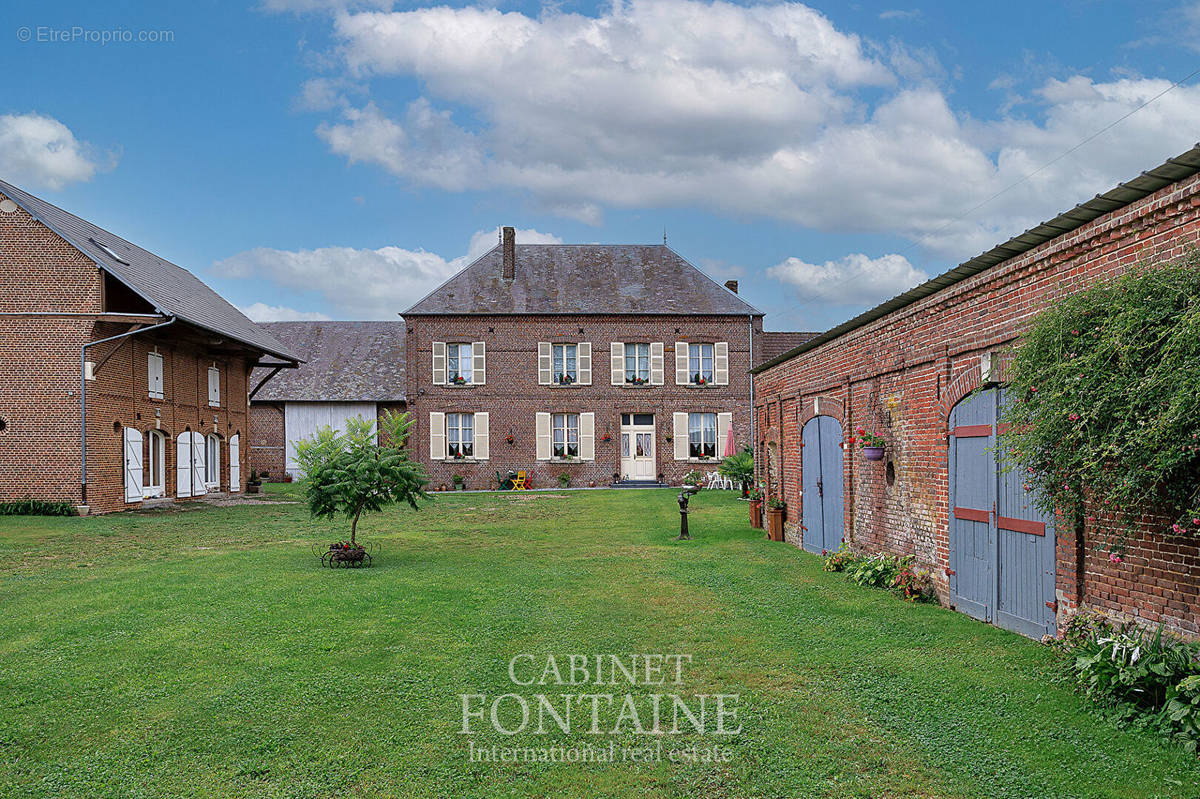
column 583, row 279
column 773, row 343
column 171, row 289
column 344, row 362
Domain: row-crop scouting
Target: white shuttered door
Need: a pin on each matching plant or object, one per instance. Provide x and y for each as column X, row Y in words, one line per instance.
column 133, row 465
column 183, row 465
column 199, row 460
column 235, row 463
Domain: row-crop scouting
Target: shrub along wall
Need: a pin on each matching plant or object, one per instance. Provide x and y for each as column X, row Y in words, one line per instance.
column 900, row 376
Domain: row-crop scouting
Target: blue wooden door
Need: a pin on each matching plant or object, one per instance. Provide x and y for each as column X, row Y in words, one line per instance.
column 821, row 481
column 1001, row 545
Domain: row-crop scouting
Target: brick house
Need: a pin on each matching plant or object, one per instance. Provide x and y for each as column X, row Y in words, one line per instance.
column 108, row 344
column 910, row 369
column 349, row 369
column 601, row 362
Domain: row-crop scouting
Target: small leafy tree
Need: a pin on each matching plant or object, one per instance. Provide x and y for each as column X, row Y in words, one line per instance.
column 1104, row 398
column 357, row 471
column 739, row 467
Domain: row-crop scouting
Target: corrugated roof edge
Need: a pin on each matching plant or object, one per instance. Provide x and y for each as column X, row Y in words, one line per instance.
column 1171, row 171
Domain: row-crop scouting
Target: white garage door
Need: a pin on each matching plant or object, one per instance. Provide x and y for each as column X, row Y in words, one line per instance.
column 302, row 420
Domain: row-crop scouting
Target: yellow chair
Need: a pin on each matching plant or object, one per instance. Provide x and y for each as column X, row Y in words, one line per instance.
column 520, row 482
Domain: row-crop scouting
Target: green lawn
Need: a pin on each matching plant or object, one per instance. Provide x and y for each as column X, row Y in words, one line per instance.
column 205, row 653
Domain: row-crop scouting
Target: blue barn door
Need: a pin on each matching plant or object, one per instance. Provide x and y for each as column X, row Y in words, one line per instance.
column 821, row 477
column 1001, row 546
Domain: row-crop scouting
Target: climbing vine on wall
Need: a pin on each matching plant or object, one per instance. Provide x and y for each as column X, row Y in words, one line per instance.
column 1104, row 393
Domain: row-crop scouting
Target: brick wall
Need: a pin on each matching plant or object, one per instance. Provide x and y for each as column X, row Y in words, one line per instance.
column 512, row 394
column 268, row 442
column 51, row 300
column 901, row 375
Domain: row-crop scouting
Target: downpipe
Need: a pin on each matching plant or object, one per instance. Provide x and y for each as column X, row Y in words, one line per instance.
column 83, row 397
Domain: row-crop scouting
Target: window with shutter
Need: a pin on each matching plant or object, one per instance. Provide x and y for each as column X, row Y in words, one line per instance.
column 154, row 363
column 214, row 387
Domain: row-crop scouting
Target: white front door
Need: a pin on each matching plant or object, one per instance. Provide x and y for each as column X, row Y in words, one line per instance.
column 637, row 447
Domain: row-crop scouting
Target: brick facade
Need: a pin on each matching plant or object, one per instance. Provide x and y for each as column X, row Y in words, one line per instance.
column 901, row 374
column 512, row 395
column 268, row 441
column 53, row 299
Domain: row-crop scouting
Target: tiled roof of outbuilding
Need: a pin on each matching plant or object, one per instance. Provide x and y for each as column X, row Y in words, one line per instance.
column 583, row 279
column 344, row 362
column 171, row 289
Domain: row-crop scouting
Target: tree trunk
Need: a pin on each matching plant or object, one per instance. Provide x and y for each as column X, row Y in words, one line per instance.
column 354, row 528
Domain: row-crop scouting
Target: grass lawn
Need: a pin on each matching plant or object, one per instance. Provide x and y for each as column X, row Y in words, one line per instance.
column 204, row 653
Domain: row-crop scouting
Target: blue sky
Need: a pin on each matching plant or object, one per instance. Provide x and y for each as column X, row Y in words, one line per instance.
column 338, row 160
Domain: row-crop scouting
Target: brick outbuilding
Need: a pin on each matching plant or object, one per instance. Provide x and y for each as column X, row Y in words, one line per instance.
column 907, row 370
column 158, row 364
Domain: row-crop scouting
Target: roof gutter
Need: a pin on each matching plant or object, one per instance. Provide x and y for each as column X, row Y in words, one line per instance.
column 83, row 378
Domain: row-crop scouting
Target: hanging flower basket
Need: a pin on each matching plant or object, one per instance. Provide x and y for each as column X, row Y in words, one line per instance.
column 873, row 453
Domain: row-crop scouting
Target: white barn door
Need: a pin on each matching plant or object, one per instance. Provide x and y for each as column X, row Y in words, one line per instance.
column 303, row 419
column 199, row 470
column 133, row 465
column 235, row 463
column 183, row 465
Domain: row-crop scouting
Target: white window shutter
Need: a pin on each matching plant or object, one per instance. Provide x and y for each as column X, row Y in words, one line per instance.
column 235, row 463
column 617, row 362
column 199, row 453
column 183, row 465
column 545, row 364
column 133, row 465
column 543, row 436
column 657, row 371
column 439, row 363
column 681, row 363
column 154, row 371
column 583, row 363
column 587, row 436
column 214, row 386
column 437, row 436
column 721, row 363
column 482, row 446
column 680, row 432
column 724, row 420
column 478, row 363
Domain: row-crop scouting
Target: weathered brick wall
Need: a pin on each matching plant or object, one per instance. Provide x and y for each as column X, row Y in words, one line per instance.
column 901, row 374
column 50, row 300
column 512, row 395
column 268, row 452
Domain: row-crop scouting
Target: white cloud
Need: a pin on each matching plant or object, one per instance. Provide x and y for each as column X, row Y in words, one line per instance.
column 261, row 312
column 762, row 111
column 40, row 150
column 900, row 13
column 854, row 279
column 358, row 283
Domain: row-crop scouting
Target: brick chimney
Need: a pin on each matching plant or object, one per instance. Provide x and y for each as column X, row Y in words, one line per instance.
column 509, row 245
column 731, row 285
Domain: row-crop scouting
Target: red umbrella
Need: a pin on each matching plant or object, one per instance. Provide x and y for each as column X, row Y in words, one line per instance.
column 729, row 448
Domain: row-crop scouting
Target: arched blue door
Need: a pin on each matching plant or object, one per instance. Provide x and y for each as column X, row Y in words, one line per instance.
column 1001, row 545
column 821, row 481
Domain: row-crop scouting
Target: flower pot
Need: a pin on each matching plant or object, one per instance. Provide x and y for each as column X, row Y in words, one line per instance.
column 253, row 488
column 873, row 453
column 460, row 487
column 775, row 523
column 756, row 514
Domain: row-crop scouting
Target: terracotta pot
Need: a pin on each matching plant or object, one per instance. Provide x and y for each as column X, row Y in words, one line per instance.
column 873, row 453
column 756, row 514
column 775, row 518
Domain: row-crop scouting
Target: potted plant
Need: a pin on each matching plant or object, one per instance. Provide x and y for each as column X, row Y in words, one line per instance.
column 872, row 445
column 693, row 478
column 756, row 503
column 564, row 479
column 776, row 510
column 739, row 467
column 253, row 485
column 460, row 484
